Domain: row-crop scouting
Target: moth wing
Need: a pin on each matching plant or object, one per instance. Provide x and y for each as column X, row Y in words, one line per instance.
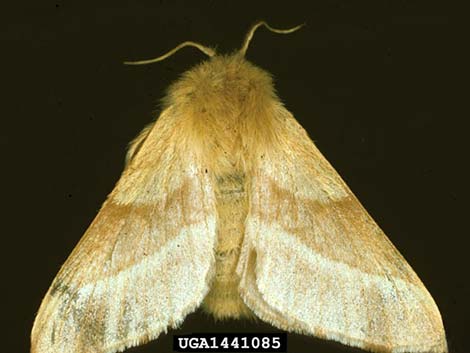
column 313, row 260
column 145, row 261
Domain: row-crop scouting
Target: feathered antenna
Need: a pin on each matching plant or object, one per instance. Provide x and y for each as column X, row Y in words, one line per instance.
column 252, row 30
column 211, row 52
column 206, row 50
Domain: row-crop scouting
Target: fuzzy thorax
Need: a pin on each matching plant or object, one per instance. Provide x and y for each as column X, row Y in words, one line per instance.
column 227, row 104
column 223, row 86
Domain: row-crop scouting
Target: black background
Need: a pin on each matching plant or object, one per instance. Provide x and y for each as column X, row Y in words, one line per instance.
column 375, row 83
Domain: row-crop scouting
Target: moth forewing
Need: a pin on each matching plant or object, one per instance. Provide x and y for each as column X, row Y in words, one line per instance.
column 136, row 271
column 314, row 261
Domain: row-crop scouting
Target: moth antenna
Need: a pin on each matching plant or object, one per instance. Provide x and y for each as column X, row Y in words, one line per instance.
column 206, row 50
column 253, row 29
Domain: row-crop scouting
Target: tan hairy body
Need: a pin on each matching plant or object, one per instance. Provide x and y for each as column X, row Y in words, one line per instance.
column 227, row 204
column 224, row 143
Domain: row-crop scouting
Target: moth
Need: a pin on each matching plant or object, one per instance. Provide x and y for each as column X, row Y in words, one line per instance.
column 226, row 204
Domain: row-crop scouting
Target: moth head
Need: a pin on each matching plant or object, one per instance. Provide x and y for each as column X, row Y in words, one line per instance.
column 219, row 93
column 211, row 51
